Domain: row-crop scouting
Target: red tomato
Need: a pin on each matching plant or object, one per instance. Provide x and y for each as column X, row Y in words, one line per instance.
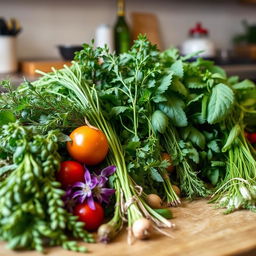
column 252, row 137
column 92, row 218
column 89, row 145
column 70, row 172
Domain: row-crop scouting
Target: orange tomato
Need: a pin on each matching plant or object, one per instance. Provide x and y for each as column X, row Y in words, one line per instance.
column 89, row 145
column 167, row 157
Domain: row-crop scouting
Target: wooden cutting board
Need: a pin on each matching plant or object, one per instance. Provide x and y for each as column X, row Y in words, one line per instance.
column 29, row 67
column 146, row 24
column 200, row 230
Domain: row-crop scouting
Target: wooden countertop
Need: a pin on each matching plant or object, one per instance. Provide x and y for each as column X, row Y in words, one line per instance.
column 200, row 230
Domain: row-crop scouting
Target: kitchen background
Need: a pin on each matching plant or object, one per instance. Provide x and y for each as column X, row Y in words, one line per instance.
column 49, row 23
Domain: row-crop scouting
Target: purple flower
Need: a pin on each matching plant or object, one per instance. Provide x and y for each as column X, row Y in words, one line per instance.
column 92, row 187
column 84, row 189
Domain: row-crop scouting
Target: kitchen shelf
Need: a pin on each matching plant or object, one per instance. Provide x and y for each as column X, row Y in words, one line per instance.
column 200, row 230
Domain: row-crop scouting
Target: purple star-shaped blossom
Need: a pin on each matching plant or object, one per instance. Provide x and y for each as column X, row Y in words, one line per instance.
column 84, row 189
column 92, row 187
column 102, row 193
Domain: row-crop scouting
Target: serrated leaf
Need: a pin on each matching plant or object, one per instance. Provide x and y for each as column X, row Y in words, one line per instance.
column 174, row 110
column 213, row 145
column 194, row 83
column 118, row 110
column 159, row 98
column 6, row 116
column 156, row 175
column 165, row 83
column 220, row 104
column 159, row 121
column 177, row 68
column 245, row 84
column 179, row 87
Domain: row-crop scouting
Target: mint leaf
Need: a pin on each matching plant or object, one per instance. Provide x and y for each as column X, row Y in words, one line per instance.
column 195, row 83
column 165, row 83
column 220, row 104
column 159, row 98
column 177, row 68
column 6, row 116
column 156, row 175
column 179, row 87
column 246, row 84
column 159, row 121
column 174, row 110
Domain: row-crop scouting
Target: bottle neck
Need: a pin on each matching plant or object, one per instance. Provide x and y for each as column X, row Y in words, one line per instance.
column 120, row 8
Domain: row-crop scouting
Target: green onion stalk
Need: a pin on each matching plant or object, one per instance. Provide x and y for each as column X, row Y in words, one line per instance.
column 85, row 96
column 238, row 188
column 190, row 184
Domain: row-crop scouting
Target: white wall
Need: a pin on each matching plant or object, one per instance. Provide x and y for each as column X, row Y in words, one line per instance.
column 48, row 23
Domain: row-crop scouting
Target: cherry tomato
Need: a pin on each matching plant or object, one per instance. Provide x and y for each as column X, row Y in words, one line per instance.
column 89, row 145
column 70, row 172
column 92, row 218
column 167, row 157
column 252, row 137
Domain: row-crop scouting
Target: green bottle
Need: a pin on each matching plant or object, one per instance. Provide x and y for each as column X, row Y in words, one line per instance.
column 121, row 30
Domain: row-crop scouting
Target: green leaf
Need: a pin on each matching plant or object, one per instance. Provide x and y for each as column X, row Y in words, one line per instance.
column 218, row 76
column 195, row 83
column 159, row 121
column 179, row 87
column 196, row 99
column 219, row 70
column 132, row 145
column 246, row 84
column 165, row 83
column 159, row 98
column 235, row 131
column 174, row 110
column 213, row 176
column 233, row 79
column 118, row 110
column 156, row 175
column 6, row 116
column 213, row 145
column 177, row 68
column 195, row 136
column 220, row 104
column 145, row 97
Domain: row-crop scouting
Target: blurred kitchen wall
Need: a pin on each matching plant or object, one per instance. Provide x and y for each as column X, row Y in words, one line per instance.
column 51, row 22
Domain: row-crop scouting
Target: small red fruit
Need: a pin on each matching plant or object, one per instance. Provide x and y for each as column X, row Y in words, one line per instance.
column 92, row 218
column 70, row 172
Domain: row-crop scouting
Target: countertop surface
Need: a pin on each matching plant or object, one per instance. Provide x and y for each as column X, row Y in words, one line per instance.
column 200, row 230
